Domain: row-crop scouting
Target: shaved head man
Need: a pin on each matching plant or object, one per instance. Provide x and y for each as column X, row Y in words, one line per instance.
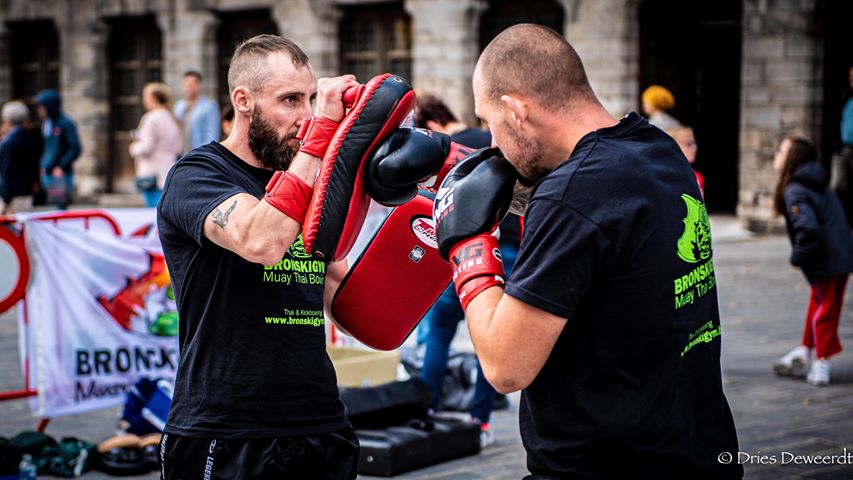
column 609, row 323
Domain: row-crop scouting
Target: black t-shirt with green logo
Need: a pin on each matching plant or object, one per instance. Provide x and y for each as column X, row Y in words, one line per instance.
column 253, row 355
column 617, row 241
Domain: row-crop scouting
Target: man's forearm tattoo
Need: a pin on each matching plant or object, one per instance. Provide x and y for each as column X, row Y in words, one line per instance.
column 220, row 218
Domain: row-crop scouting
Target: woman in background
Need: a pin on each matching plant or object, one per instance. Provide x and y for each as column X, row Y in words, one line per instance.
column 157, row 143
column 657, row 102
column 822, row 246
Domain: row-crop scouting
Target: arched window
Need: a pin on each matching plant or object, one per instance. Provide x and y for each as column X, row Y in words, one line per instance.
column 135, row 58
column 34, row 57
column 234, row 29
column 502, row 14
column 376, row 39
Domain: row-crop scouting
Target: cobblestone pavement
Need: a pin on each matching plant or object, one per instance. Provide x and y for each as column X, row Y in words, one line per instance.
column 763, row 302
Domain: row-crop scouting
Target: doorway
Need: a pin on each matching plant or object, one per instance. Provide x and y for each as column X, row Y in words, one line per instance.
column 694, row 50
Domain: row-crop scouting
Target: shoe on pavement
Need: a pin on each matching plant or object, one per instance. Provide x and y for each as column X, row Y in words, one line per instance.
column 487, row 436
column 819, row 373
column 793, row 363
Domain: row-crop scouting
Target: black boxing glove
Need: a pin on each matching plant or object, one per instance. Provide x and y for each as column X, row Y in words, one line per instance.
column 469, row 205
column 406, row 158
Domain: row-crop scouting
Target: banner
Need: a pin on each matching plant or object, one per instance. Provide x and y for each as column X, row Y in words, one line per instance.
column 99, row 311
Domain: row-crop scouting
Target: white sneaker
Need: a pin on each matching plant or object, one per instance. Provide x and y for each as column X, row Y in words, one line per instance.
column 819, row 373
column 793, row 363
column 487, row 436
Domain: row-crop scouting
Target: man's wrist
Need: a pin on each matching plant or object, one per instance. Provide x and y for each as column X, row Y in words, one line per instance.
column 315, row 134
column 477, row 266
column 289, row 194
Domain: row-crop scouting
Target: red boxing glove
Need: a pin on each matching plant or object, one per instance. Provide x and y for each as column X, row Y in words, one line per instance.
column 477, row 265
column 290, row 194
column 315, row 134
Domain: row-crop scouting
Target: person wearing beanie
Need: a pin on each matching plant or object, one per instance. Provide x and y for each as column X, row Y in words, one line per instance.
column 657, row 102
column 61, row 148
column 20, row 149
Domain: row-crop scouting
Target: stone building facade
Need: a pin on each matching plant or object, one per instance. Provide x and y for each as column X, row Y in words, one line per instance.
column 776, row 69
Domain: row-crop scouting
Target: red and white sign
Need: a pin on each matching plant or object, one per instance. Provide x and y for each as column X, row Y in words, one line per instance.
column 15, row 266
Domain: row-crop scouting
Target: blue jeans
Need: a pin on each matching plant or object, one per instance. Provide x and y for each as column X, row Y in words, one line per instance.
column 151, row 197
column 442, row 320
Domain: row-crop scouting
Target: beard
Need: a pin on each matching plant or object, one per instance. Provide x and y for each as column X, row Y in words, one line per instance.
column 527, row 158
column 273, row 152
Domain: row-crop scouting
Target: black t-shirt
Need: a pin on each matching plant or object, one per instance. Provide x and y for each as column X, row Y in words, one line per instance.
column 510, row 227
column 617, row 241
column 253, row 350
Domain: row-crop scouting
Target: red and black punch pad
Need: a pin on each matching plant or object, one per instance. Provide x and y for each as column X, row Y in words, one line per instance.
column 339, row 202
column 396, row 279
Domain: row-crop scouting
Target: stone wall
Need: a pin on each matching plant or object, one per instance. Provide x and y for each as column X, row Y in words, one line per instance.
column 781, row 72
column 781, row 94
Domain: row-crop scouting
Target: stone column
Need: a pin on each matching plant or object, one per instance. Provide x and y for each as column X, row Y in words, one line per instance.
column 605, row 34
column 313, row 25
column 445, row 50
column 189, row 43
column 83, row 86
column 781, row 93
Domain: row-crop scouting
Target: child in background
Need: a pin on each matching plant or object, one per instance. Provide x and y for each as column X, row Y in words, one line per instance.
column 822, row 248
column 685, row 139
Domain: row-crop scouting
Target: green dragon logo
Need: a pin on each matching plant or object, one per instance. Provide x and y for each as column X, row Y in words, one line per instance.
column 297, row 249
column 694, row 244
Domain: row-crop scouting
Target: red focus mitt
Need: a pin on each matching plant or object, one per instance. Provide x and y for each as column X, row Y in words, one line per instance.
column 339, row 201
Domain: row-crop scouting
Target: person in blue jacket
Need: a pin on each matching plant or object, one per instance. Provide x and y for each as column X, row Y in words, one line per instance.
column 61, row 148
column 822, row 246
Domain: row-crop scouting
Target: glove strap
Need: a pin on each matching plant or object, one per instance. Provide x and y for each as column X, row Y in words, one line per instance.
column 314, row 135
column 289, row 194
column 477, row 266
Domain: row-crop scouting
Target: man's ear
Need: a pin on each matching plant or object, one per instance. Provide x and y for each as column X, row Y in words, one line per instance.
column 242, row 100
column 517, row 109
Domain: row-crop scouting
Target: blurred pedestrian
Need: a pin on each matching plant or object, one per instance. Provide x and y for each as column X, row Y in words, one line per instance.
column 842, row 164
column 20, row 150
column 157, row 143
column 61, row 149
column 438, row 326
column 227, row 120
column 822, row 248
column 686, row 140
column 197, row 114
column 657, row 102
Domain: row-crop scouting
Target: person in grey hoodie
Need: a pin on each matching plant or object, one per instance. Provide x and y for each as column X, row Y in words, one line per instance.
column 822, row 247
column 61, row 148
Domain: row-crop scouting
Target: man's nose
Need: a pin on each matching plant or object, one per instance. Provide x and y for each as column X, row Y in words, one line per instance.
column 308, row 108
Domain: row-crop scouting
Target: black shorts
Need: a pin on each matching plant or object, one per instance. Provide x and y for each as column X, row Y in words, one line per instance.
column 332, row 456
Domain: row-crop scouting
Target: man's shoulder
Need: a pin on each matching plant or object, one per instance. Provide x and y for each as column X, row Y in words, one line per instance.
column 208, row 154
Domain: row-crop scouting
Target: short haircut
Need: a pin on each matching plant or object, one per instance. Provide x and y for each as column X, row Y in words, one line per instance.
column 194, row 73
column 432, row 108
column 535, row 62
column 160, row 92
column 248, row 64
column 15, row 112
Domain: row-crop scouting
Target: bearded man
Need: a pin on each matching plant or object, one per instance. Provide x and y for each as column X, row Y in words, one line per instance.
column 255, row 394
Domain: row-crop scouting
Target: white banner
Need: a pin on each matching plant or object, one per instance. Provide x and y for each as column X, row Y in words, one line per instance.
column 99, row 311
